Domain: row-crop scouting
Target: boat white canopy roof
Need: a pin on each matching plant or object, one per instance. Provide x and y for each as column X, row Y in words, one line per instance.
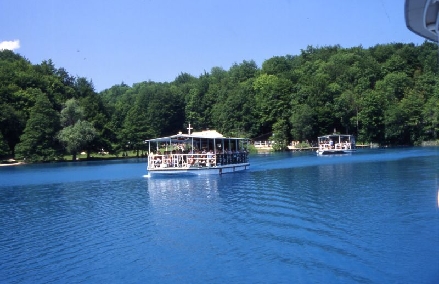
column 206, row 134
column 422, row 18
column 344, row 137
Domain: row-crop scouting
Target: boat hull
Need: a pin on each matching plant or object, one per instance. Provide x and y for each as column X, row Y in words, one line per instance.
column 217, row 170
column 334, row 152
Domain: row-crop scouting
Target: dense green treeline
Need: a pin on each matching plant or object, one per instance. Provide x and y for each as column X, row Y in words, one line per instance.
column 386, row 94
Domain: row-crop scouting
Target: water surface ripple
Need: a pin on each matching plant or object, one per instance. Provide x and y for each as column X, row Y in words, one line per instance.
column 371, row 217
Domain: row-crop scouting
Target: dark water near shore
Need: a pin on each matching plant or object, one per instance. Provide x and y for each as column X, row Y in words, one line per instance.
column 370, row 217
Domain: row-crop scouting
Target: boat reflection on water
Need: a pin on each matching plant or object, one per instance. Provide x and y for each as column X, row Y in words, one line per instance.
column 181, row 188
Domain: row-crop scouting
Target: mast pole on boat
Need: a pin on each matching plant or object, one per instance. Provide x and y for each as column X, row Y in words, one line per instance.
column 189, row 129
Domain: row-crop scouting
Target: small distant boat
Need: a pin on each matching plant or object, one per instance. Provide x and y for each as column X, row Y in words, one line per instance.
column 336, row 144
column 198, row 153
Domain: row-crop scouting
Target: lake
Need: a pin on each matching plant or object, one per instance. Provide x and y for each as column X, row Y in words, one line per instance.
column 369, row 217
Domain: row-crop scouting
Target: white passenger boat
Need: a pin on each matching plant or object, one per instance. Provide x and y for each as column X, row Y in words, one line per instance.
column 198, row 153
column 336, row 144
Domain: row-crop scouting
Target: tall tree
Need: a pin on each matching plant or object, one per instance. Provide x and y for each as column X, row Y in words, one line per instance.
column 75, row 137
column 271, row 100
column 77, row 133
column 136, row 128
column 4, row 149
column 12, row 124
column 302, row 122
column 412, row 104
column 71, row 113
column 96, row 112
column 346, row 108
column 431, row 117
column 371, row 117
column 38, row 141
column 234, row 113
column 280, row 135
column 83, row 88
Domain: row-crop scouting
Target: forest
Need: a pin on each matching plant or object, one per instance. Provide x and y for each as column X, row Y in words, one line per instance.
column 386, row 94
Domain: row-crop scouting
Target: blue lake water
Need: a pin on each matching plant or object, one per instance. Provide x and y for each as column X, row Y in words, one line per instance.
column 370, row 217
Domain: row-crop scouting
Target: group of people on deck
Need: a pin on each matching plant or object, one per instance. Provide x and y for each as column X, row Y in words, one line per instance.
column 329, row 144
column 199, row 158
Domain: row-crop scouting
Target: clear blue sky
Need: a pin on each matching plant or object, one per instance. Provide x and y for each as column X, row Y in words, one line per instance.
column 132, row 41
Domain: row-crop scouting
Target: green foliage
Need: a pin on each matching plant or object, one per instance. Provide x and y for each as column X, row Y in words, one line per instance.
column 71, row 113
column 371, row 117
column 430, row 113
column 12, row 124
column 271, row 100
column 233, row 113
column 346, row 108
column 38, row 143
column 280, row 135
column 75, row 137
column 386, row 94
column 302, row 121
column 4, row 149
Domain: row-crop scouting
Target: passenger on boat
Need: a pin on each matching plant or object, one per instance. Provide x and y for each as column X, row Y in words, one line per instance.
column 191, row 160
column 157, row 160
column 151, row 159
column 210, row 160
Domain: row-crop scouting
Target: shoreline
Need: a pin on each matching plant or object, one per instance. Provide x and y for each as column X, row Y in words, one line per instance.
column 93, row 159
column 259, row 150
column 12, row 164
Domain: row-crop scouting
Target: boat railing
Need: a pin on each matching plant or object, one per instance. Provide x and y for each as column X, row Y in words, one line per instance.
column 181, row 160
column 337, row 146
column 263, row 144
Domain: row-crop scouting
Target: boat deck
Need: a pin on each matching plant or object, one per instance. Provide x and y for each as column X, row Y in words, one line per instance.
column 176, row 161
